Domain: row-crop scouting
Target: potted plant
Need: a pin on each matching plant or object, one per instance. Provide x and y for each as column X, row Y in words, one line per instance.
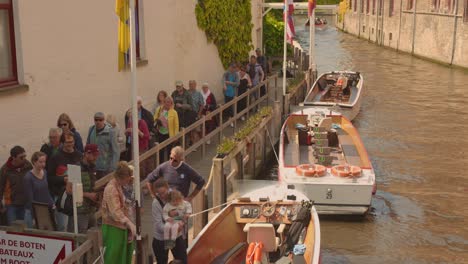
column 226, row 146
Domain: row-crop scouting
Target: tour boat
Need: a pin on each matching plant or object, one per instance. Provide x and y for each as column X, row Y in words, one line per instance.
column 322, row 154
column 338, row 90
column 263, row 226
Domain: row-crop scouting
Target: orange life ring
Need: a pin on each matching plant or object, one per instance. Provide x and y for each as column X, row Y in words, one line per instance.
column 346, row 171
column 339, row 82
column 254, row 253
column 311, row 170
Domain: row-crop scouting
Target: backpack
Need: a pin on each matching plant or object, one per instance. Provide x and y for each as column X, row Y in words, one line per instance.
column 252, row 71
column 64, row 203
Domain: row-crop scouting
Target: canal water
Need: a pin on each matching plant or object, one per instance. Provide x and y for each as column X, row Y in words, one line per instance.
column 414, row 123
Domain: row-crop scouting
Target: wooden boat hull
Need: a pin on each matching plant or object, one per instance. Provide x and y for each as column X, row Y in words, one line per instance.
column 331, row 194
column 225, row 231
column 349, row 109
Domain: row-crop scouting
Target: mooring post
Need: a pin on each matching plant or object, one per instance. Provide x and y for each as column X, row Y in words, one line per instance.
column 276, row 122
column 254, row 158
column 220, row 135
column 203, row 136
column 264, row 145
column 218, row 175
column 198, row 206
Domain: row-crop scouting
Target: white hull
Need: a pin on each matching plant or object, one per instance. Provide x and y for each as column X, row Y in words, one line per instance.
column 331, row 194
column 349, row 110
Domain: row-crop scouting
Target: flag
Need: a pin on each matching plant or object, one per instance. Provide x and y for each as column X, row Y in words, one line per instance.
column 289, row 23
column 312, row 4
column 122, row 9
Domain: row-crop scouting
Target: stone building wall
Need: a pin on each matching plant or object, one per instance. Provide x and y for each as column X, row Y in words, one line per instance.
column 434, row 32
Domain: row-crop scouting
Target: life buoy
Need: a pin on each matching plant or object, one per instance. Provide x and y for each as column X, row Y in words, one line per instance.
column 346, row 171
column 254, row 253
column 311, row 170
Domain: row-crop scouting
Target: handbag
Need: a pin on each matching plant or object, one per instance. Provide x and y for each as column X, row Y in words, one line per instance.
column 64, row 203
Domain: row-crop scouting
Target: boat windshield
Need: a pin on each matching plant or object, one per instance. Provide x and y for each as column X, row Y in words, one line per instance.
column 242, row 187
column 261, row 189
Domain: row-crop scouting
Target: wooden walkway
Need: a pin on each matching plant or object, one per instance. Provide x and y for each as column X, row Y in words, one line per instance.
column 202, row 164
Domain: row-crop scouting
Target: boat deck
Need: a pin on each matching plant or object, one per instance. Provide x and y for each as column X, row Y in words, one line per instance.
column 349, row 151
column 346, row 153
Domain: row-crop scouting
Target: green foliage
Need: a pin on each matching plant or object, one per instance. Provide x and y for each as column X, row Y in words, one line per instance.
column 228, row 144
column 228, row 24
column 273, row 31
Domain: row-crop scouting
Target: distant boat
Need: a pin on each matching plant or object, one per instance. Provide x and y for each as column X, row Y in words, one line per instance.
column 322, row 155
column 318, row 22
column 275, row 216
column 337, row 90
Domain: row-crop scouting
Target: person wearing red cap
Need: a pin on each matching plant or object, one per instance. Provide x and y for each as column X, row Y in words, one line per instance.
column 86, row 211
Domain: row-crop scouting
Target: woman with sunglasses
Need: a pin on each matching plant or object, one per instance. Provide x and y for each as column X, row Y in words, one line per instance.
column 65, row 123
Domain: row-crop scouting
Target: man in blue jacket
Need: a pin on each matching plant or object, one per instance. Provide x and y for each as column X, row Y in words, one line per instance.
column 102, row 134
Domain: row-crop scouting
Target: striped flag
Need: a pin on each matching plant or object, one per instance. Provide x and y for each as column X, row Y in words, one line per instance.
column 122, row 9
column 312, row 4
column 290, row 31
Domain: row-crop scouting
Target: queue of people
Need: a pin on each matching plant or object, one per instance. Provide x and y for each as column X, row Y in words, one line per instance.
column 44, row 178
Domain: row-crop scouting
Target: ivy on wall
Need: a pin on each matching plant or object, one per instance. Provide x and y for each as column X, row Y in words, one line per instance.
column 228, row 24
column 342, row 8
column 273, row 31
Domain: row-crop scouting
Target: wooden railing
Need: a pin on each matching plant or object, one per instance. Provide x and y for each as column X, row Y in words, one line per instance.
column 92, row 246
column 181, row 136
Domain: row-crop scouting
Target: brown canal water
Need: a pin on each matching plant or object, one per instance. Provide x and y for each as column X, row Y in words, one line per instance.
column 414, row 123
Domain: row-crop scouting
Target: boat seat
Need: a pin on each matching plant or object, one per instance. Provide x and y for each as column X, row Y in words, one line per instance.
column 231, row 253
column 262, row 232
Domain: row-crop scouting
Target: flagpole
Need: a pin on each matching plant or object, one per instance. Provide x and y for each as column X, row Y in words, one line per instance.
column 135, row 131
column 285, row 18
column 312, row 66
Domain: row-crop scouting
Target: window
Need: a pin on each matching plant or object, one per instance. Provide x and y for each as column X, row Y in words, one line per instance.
column 373, row 7
column 362, row 7
column 448, row 6
column 465, row 12
column 380, row 7
column 409, row 5
column 435, row 5
column 355, row 5
column 391, row 8
column 350, row 4
column 368, row 6
column 137, row 30
column 8, row 71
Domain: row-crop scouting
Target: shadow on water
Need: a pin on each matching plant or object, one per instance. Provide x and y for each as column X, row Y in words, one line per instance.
column 412, row 122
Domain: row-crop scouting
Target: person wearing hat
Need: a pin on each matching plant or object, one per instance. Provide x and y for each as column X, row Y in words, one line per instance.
column 183, row 104
column 102, row 134
column 230, row 83
column 88, row 178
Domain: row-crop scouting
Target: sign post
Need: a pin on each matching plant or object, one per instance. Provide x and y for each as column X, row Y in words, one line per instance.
column 74, row 176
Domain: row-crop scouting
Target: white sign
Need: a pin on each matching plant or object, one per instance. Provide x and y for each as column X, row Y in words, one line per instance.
column 18, row 248
column 74, row 173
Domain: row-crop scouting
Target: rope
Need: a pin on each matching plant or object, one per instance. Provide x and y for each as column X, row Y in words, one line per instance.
column 272, row 146
column 253, row 252
column 212, row 208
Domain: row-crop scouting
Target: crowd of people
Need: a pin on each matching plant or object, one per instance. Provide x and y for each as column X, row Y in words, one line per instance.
column 44, row 179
